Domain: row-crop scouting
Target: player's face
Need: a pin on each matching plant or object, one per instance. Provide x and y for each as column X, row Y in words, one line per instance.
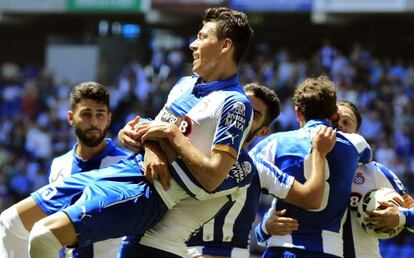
column 206, row 50
column 91, row 120
column 259, row 115
column 347, row 120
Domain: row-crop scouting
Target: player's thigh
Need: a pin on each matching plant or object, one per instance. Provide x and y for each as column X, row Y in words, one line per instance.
column 111, row 210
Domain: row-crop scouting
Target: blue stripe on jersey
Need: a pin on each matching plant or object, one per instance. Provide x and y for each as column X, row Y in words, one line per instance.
column 349, row 249
column 241, row 228
column 83, row 252
column 213, row 251
column 392, row 178
column 282, row 178
column 184, row 103
column 409, row 216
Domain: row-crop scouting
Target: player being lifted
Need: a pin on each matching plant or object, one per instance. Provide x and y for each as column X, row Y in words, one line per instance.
column 214, row 114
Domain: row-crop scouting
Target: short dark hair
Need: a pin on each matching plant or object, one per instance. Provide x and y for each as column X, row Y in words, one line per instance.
column 354, row 109
column 89, row 90
column 269, row 97
column 234, row 25
column 315, row 98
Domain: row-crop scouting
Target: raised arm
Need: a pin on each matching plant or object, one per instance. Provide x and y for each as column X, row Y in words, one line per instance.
column 310, row 194
column 281, row 185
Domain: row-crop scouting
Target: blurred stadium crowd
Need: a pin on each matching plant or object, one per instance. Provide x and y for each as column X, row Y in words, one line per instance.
column 33, row 106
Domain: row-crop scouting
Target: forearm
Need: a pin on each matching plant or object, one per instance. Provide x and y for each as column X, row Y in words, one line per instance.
column 310, row 194
column 210, row 171
column 315, row 185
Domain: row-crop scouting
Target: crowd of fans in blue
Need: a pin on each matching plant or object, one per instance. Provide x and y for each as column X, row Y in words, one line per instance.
column 33, row 106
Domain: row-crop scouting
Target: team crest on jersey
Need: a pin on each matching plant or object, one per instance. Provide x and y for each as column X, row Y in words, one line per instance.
column 236, row 117
column 184, row 123
column 359, row 179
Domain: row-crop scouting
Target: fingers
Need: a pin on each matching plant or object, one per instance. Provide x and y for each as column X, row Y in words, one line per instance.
column 134, row 122
column 164, row 176
column 280, row 212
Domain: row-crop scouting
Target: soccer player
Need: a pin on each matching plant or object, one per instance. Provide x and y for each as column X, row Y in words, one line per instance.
column 357, row 242
column 168, row 237
column 90, row 117
column 319, row 234
column 207, row 117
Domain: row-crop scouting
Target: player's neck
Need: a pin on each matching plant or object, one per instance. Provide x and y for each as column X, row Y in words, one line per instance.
column 85, row 153
column 221, row 72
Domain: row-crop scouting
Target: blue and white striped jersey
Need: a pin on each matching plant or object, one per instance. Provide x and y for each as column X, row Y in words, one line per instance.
column 213, row 116
column 357, row 242
column 320, row 230
column 230, row 229
column 68, row 164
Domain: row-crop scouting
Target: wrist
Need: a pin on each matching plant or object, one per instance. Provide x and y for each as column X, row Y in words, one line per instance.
column 402, row 217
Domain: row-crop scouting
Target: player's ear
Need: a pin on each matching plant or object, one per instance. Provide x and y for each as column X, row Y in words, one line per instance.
column 263, row 131
column 69, row 117
column 227, row 43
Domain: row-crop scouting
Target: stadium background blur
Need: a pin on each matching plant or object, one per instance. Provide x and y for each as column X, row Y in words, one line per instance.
column 139, row 48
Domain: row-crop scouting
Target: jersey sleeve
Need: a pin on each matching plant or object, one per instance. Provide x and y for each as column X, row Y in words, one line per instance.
column 52, row 176
column 273, row 181
column 362, row 146
column 266, row 149
column 384, row 177
column 234, row 121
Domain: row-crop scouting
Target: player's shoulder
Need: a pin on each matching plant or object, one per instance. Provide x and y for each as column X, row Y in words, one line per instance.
column 185, row 82
column 62, row 159
column 114, row 150
column 358, row 142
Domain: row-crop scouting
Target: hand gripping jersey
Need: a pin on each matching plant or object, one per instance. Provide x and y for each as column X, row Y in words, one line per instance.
column 227, row 234
column 320, row 230
column 214, row 116
column 68, row 164
column 373, row 175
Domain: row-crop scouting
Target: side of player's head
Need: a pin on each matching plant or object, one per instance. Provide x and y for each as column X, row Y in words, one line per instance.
column 350, row 118
column 233, row 25
column 268, row 97
column 315, row 98
column 89, row 90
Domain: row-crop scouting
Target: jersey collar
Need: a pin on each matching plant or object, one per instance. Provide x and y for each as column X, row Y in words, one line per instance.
column 316, row 122
column 203, row 89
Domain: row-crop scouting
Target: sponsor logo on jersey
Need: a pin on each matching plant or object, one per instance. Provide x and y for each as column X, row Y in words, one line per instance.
column 239, row 171
column 359, row 179
column 236, row 117
column 183, row 123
